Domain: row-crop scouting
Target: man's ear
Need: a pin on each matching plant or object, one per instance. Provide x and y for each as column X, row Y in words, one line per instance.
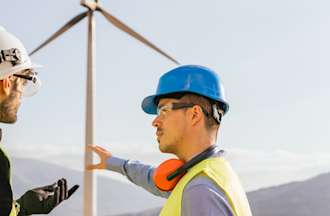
column 197, row 114
column 5, row 86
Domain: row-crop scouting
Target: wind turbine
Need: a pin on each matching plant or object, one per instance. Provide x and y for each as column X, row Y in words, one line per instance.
column 92, row 6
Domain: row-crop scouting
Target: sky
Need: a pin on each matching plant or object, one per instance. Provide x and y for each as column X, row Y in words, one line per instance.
column 271, row 56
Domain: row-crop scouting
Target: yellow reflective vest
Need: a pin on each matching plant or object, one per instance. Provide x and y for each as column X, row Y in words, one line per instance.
column 14, row 211
column 15, row 206
column 219, row 170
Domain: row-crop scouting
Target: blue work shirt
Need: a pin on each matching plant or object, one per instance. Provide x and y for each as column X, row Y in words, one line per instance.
column 201, row 195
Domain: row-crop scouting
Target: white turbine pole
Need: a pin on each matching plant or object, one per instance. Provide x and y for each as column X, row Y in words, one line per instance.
column 89, row 177
column 90, row 195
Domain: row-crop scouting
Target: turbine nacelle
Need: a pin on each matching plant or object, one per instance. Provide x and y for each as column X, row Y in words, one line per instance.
column 91, row 5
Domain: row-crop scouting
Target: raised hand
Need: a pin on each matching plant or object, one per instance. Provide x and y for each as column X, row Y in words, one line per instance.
column 102, row 153
column 44, row 199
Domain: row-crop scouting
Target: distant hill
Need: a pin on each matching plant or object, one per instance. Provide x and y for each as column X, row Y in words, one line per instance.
column 305, row 198
column 114, row 197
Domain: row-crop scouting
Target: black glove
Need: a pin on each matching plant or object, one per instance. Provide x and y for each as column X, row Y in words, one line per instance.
column 44, row 199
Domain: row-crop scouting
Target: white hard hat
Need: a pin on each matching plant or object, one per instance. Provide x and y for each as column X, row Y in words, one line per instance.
column 13, row 55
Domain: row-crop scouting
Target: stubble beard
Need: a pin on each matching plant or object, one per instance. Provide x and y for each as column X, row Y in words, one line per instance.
column 9, row 108
column 169, row 147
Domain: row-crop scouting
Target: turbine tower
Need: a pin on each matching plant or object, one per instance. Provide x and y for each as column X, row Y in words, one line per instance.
column 92, row 6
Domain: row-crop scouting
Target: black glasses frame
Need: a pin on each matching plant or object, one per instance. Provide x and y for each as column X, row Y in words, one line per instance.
column 27, row 77
column 176, row 106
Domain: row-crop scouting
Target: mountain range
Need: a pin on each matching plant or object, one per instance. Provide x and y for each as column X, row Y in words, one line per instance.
column 304, row 198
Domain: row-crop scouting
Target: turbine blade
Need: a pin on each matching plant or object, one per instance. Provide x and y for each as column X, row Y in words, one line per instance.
column 119, row 24
column 63, row 29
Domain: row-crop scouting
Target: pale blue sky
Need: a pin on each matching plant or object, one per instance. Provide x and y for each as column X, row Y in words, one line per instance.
column 271, row 55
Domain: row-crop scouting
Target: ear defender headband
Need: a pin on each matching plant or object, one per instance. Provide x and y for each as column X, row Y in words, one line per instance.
column 217, row 115
column 168, row 173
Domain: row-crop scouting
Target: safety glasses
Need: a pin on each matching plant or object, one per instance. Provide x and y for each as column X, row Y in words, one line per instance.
column 163, row 110
column 32, row 85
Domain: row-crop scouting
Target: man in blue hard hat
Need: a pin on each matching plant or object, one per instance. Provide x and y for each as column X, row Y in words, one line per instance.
column 189, row 105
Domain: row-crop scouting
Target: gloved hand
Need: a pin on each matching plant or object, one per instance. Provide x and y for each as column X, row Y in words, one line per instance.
column 103, row 154
column 43, row 200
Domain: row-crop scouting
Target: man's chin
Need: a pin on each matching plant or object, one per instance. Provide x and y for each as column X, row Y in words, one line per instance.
column 161, row 148
column 164, row 148
column 9, row 120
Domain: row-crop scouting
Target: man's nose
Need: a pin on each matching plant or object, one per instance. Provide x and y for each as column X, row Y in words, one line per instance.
column 156, row 122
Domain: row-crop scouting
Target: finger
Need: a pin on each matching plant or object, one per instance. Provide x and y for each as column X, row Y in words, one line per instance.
column 65, row 186
column 93, row 148
column 102, row 153
column 72, row 190
column 59, row 188
column 62, row 188
column 98, row 149
column 57, row 196
column 95, row 166
column 50, row 188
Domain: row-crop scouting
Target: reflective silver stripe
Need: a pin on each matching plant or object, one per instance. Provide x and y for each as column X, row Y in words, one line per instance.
column 17, row 207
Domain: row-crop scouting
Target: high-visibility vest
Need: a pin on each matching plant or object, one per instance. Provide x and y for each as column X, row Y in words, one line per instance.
column 15, row 206
column 13, row 212
column 220, row 171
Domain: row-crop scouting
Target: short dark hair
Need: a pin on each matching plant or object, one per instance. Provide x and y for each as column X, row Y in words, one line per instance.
column 204, row 102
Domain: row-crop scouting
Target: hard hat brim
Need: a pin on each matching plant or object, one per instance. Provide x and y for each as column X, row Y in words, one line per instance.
column 21, row 67
column 148, row 105
column 36, row 66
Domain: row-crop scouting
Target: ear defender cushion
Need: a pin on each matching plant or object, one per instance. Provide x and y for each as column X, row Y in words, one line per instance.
column 164, row 170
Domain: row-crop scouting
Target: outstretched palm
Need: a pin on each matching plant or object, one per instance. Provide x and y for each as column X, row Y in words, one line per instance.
column 102, row 153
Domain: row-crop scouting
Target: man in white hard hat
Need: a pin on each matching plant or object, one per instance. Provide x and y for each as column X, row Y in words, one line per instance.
column 17, row 79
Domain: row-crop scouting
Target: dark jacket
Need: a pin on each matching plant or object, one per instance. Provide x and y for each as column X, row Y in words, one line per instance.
column 6, row 194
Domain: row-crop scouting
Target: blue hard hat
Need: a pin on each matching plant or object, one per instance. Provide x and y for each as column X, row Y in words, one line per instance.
column 188, row 79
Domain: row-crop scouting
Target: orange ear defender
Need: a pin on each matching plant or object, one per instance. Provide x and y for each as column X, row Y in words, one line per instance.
column 164, row 170
column 168, row 173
